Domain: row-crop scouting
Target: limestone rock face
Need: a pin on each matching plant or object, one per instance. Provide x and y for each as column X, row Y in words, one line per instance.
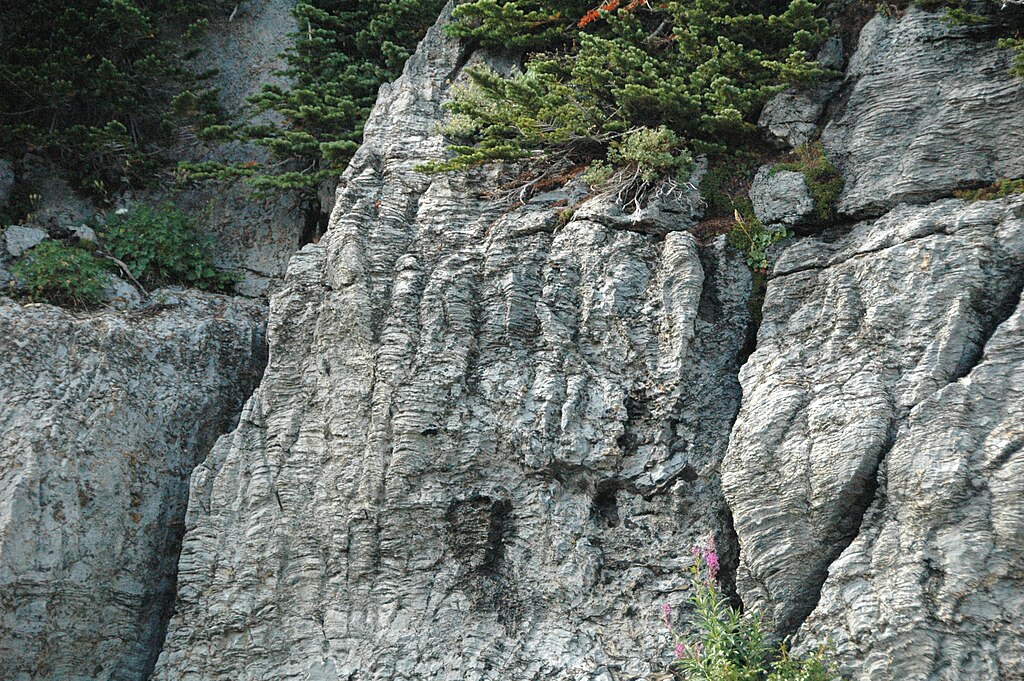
column 857, row 332
column 485, row 440
column 794, row 114
column 927, row 108
column 933, row 586
column 102, row 418
column 488, row 434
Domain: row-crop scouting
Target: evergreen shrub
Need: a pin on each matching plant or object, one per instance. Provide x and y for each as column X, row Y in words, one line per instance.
column 100, row 86
column 692, row 74
column 340, row 55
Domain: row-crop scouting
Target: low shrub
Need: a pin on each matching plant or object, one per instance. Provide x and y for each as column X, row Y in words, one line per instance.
column 823, row 180
column 162, row 246
column 724, row 643
column 62, row 275
column 999, row 189
column 678, row 79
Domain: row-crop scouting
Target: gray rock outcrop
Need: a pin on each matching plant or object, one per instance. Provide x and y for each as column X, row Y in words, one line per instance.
column 484, row 442
column 856, row 333
column 933, row 586
column 781, row 197
column 486, row 439
column 102, row 418
column 928, row 108
column 490, row 431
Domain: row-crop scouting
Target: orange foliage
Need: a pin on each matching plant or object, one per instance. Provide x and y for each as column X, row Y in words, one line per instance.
column 608, row 6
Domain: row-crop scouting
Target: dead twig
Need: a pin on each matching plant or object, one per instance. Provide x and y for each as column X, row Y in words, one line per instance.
column 127, row 272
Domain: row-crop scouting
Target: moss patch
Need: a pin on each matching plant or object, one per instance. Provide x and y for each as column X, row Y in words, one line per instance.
column 999, row 189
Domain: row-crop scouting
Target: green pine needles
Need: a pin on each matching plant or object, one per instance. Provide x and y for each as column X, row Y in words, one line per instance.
column 100, row 86
column 342, row 52
column 641, row 89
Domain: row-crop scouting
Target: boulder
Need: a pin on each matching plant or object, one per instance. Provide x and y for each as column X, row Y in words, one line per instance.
column 19, row 238
column 781, row 197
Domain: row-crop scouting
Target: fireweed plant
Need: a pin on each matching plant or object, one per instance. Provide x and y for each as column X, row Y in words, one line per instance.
column 725, row 644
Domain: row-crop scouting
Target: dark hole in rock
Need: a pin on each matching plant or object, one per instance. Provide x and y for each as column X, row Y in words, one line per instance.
column 605, row 507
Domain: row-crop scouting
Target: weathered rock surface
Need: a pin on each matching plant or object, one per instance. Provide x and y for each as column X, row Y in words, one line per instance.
column 857, row 332
column 794, row 115
column 929, row 108
column 486, row 440
column 488, row 434
column 781, row 197
column 102, row 418
column 483, row 445
column 19, row 238
column 254, row 236
column 933, row 586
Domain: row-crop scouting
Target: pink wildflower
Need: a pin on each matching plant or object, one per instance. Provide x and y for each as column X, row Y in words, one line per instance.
column 680, row 650
column 711, row 558
column 666, row 611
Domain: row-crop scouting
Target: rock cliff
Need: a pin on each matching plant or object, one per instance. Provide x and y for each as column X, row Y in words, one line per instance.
column 486, row 439
column 489, row 432
column 482, row 437
column 102, row 418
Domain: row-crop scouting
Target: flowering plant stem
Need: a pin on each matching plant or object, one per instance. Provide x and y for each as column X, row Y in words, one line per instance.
column 725, row 644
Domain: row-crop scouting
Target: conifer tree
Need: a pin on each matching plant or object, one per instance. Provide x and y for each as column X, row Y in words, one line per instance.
column 603, row 79
column 343, row 50
column 100, row 86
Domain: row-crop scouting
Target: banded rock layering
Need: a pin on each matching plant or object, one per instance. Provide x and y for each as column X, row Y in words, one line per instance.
column 480, row 441
column 489, row 432
column 104, row 415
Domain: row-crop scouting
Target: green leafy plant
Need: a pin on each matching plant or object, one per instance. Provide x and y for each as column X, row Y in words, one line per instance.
column 753, row 239
column 999, row 189
column 100, row 86
column 824, row 182
column 725, row 644
column 679, row 79
column 62, row 275
column 163, row 246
